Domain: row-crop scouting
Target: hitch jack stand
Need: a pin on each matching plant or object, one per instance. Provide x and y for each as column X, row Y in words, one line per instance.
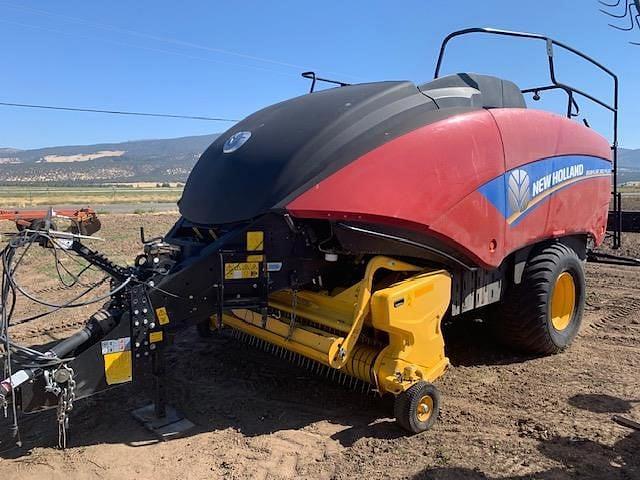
column 159, row 418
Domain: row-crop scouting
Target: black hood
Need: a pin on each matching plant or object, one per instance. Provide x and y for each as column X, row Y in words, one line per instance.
column 295, row 144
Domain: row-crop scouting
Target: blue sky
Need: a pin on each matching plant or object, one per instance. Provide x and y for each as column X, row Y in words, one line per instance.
column 228, row 59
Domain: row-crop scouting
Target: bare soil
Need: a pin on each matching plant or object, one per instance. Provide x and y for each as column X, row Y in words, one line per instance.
column 503, row 416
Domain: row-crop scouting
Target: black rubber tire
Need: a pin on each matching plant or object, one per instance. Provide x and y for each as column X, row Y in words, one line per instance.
column 406, row 406
column 523, row 319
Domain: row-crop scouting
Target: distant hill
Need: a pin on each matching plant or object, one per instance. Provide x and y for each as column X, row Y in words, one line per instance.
column 164, row 160
column 628, row 165
column 8, row 150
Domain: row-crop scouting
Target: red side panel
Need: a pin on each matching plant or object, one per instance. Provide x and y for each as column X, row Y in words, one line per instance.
column 531, row 135
column 414, row 179
column 451, row 179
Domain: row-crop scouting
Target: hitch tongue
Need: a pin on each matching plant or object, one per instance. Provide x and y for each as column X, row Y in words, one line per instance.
column 98, row 325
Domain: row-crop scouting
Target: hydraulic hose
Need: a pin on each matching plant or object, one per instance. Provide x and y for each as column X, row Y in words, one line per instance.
column 100, row 323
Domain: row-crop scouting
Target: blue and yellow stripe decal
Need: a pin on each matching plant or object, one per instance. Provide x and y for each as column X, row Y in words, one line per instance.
column 517, row 192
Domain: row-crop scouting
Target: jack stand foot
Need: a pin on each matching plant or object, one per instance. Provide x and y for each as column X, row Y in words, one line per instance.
column 165, row 427
column 626, row 422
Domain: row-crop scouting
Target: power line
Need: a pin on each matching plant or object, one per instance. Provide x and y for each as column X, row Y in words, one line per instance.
column 174, row 41
column 118, row 112
column 157, row 38
column 150, row 49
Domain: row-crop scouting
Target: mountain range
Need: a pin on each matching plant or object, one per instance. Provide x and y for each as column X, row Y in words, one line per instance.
column 628, row 165
column 163, row 160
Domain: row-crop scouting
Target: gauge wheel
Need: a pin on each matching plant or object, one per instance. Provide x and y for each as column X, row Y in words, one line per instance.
column 417, row 408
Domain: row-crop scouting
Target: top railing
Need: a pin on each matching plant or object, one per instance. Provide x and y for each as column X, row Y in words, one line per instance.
column 572, row 106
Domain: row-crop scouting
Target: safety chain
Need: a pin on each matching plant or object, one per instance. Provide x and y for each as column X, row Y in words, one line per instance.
column 62, row 384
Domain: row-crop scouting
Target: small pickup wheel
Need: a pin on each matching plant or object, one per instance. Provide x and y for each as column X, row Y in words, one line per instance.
column 417, row 408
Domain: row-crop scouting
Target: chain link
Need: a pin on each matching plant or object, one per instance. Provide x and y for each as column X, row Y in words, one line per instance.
column 65, row 391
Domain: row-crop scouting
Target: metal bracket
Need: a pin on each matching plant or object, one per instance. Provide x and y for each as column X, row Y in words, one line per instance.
column 549, row 48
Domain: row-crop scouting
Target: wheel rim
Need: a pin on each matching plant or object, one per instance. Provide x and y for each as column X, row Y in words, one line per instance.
column 563, row 301
column 424, row 408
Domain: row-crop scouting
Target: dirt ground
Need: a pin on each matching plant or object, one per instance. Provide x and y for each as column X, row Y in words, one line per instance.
column 257, row 416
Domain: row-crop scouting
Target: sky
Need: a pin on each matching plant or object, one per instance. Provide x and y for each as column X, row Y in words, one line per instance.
column 228, row 59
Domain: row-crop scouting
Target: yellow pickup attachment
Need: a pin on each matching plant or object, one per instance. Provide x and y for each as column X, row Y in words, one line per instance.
column 384, row 330
column 327, row 328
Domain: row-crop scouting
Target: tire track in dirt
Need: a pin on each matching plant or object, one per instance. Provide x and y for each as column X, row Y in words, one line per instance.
column 616, row 312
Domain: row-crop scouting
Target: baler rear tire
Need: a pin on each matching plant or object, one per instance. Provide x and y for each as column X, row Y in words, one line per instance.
column 409, row 404
column 524, row 317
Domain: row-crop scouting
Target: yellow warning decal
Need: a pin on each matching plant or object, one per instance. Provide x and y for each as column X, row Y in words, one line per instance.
column 255, row 241
column 241, row 270
column 117, row 367
column 255, row 258
column 163, row 316
column 155, row 337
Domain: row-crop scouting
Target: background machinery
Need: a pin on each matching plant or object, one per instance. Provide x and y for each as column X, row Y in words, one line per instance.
column 80, row 220
column 343, row 226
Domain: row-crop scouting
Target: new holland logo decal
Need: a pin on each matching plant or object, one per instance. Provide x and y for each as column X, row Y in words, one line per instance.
column 519, row 189
column 235, row 141
column 516, row 193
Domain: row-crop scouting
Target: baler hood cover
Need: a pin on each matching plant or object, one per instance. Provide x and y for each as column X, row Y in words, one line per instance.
column 296, row 143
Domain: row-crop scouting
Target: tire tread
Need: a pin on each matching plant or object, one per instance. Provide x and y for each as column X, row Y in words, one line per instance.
column 523, row 322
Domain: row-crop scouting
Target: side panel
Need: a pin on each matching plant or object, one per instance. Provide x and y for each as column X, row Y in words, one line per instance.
column 530, row 137
column 551, row 197
column 415, row 179
column 487, row 183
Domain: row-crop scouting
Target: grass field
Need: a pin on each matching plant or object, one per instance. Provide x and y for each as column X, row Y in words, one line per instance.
column 20, row 197
column 147, row 193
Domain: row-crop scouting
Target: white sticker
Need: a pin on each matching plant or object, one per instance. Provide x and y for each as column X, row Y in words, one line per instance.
column 18, row 378
column 116, row 345
column 274, row 266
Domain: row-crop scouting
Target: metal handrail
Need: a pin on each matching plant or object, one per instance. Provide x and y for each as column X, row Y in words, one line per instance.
column 571, row 91
column 314, row 78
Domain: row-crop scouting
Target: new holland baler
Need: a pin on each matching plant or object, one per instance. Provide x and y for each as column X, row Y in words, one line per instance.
column 343, row 226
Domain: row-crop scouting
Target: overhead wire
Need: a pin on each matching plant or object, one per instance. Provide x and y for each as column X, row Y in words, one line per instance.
column 142, row 47
column 148, row 36
column 117, row 112
column 167, row 40
column 157, row 38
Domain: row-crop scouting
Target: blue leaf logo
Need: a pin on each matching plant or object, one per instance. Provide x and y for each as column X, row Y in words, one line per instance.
column 235, row 141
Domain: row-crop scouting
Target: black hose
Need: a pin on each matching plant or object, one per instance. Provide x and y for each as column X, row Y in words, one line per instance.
column 100, row 323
